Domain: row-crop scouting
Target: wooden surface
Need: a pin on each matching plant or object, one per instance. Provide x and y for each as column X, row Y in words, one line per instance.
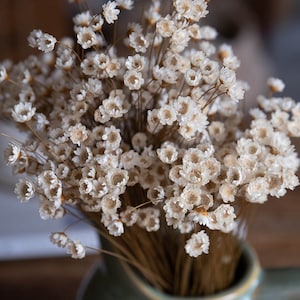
column 274, row 233
column 43, row 279
column 19, row 18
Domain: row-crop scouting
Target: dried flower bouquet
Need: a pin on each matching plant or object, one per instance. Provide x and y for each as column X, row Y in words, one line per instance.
column 148, row 143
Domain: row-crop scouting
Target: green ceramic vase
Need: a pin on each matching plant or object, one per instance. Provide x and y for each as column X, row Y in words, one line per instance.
column 118, row 281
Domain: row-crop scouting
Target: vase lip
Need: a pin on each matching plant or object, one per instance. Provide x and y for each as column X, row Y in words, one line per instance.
column 245, row 285
column 248, row 282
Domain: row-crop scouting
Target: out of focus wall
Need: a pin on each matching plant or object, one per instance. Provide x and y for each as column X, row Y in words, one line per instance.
column 19, row 17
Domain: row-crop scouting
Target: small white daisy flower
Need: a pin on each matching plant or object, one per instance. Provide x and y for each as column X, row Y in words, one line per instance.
column 59, row 238
column 3, row 73
column 25, row 189
column 78, row 134
column 110, row 11
column 23, row 112
column 275, row 85
column 197, row 244
column 133, row 79
column 86, row 37
column 12, row 153
column 76, row 249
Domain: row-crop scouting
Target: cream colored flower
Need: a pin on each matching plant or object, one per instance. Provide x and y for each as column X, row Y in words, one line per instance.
column 25, row 190
column 148, row 218
column 136, row 62
column 248, row 147
column 223, row 218
column 167, row 153
column 194, row 31
column 208, row 48
column 139, row 42
column 82, row 155
column 227, row 78
column 175, row 208
column 165, row 26
column 59, row 238
column 12, row 153
column 197, row 244
column 115, row 227
column 133, row 79
column 275, row 85
column 112, row 138
column 113, row 67
column 117, row 178
column 197, row 58
column 110, row 204
column 179, row 40
column 110, row 11
column 82, row 19
column 192, row 77
column 258, row 189
column 129, row 159
column 46, row 43
column 207, row 32
column 48, row 210
column 76, row 249
column 228, row 192
column 97, row 23
column 129, row 217
column 153, row 124
column 217, row 131
column 23, row 112
column 155, row 194
column 177, row 175
column 34, row 37
column 139, row 141
column 167, row 115
column 125, row 4
column 191, row 196
column 86, row 37
column 3, row 73
column 78, row 134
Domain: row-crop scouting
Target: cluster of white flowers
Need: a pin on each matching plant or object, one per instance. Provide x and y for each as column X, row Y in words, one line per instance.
column 149, row 136
column 73, row 247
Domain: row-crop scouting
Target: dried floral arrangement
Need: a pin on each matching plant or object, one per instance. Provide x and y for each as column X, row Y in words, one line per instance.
column 148, row 143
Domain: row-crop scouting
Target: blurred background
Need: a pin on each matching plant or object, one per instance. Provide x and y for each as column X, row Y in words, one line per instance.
column 265, row 36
